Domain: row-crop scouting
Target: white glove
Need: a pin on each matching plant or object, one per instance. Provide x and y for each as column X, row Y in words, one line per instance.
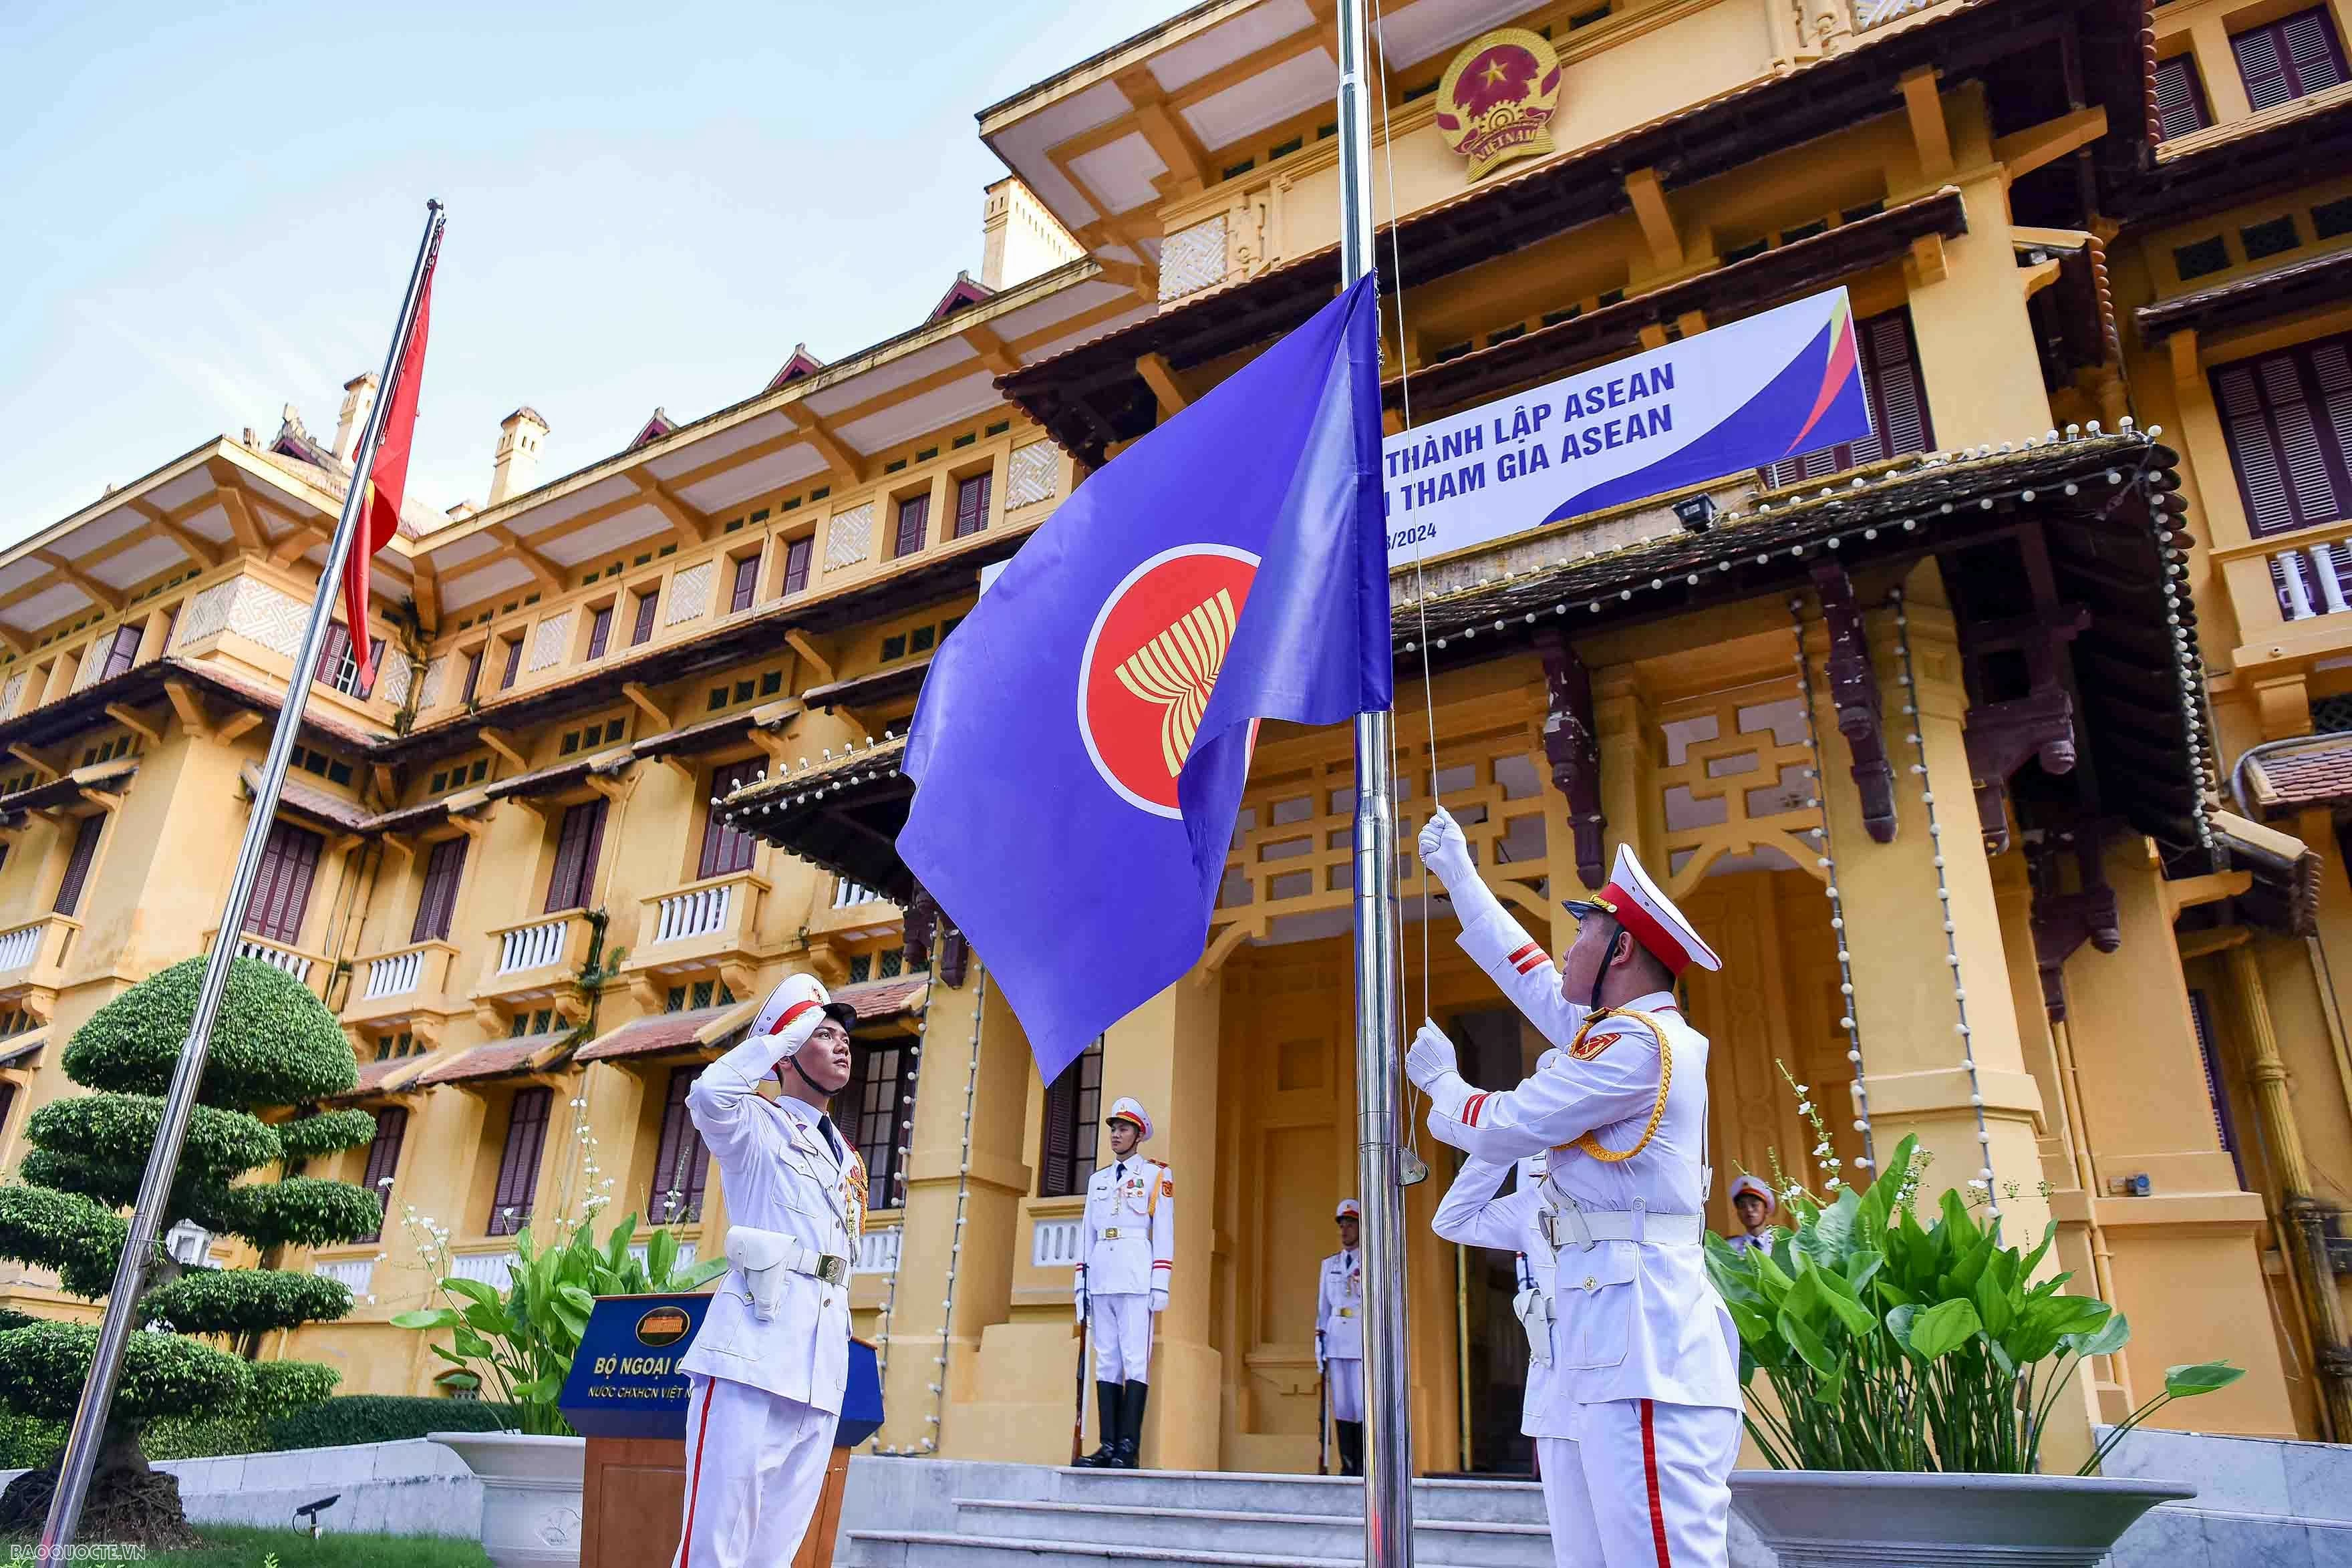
column 1159, row 1301
column 1431, row 1056
column 1445, row 851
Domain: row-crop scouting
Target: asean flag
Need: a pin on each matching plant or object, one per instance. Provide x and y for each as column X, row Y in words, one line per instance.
column 386, row 478
column 1083, row 738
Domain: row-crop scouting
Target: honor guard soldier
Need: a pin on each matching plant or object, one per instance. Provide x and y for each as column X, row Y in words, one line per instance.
column 1340, row 1337
column 1127, row 1251
column 1643, row 1346
column 765, row 1373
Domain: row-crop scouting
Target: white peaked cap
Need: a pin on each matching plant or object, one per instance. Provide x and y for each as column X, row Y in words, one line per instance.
column 1651, row 916
column 1133, row 1111
column 1350, row 1210
column 794, row 998
column 1747, row 1183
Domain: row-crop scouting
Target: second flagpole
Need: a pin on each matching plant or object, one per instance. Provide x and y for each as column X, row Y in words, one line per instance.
column 1388, row 1433
column 163, row 1163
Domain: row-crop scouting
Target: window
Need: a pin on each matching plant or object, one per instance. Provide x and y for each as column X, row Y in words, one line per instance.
column 384, row 1158
column 870, row 1108
column 914, row 524
column 338, row 669
column 473, row 674
column 600, row 631
column 519, row 1163
column 2289, row 59
column 78, row 861
column 644, row 629
column 972, row 505
column 577, row 845
column 725, row 851
column 281, row 890
column 1898, row 405
column 436, row 905
column 1073, row 1114
column 120, row 652
column 747, row 582
column 514, row 663
column 2196, row 259
column 681, row 1165
column 2180, row 97
column 796, row 564
column 2288, row 417
column 8, row 1104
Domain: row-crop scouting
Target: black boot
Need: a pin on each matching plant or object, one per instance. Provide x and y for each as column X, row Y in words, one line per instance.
column 1106, row 1413
column 1130, row 1423
column 1352, row 1446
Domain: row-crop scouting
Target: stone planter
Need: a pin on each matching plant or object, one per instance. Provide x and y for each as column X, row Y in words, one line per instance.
column 1872, row 1519
column 531, row 1495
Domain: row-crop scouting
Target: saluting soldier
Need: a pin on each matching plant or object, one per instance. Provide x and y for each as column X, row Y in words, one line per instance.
column 1127, row 1256
column 766, row 1371
column 1340, row 1337
column 1642, row 1355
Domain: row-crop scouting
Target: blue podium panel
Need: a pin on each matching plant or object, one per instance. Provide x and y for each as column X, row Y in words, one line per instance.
column 624, row 1381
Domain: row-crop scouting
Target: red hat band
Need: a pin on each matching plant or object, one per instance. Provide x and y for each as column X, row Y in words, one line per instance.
column 784, row 1020
column 1646, row 928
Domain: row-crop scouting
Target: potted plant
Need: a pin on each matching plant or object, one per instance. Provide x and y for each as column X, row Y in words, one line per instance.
column 1912, row 1371
column 519, row 1344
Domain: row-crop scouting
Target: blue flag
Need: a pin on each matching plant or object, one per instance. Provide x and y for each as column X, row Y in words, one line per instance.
column 1083, row 738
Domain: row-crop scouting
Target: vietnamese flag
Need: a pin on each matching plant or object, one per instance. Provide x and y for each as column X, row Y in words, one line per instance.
column 386, row 479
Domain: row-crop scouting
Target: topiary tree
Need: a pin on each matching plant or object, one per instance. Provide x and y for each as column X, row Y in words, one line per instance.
column 274, row 1045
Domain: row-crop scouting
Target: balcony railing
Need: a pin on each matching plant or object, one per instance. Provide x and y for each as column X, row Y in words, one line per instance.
column 1054, row 1243
column 492, row 1268
column 34, row 954
column 310, row 969
column 537, row 956
column 2312, row 580
column 531, row 946
column 394, row 975
column 877, row 1252
column 686, row 1254
column 402, row 983
column 357, row 1273
column 19, row 947
column 689, row 926
column 695, row 913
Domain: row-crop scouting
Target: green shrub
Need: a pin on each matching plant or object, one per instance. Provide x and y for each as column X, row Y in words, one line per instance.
column 204, row 1437
column 120, row 1130
column 307, row 1137
column 44, row 1365
column 242, row 1300
column 384, row 1417
column 274, row 1043
column 28, row 1442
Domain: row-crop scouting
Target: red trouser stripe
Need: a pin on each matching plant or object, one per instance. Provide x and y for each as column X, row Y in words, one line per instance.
column 694, row 1486
column 1650, row 1471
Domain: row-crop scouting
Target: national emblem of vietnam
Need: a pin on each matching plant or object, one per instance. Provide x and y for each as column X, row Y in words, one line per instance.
column 1153, row 660
column 1496, row 100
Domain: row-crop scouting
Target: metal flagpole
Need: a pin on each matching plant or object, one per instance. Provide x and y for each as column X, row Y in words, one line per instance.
column 163, row 1162
column 1388, row 1441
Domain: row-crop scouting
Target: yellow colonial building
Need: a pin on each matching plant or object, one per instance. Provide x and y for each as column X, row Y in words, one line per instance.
column 2002, row 754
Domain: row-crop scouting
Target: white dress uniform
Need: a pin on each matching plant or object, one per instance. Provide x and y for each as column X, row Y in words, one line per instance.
column 767, row 1368
column 1645, row 1374
column 1339, row 1343
column 1126, row 1250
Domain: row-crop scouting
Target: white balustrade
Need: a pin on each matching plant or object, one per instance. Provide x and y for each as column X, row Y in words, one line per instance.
column 695, row 913
column 285, row 960
column 396, row 974
column 491, row 1268
column 1869, row 14
column 845, row 894
column 686, row 1255
column 877, row 1252
column 1054, row 1243
column 529, row 946
column 2311, row 581
column 357, row 1273
column 19, row 947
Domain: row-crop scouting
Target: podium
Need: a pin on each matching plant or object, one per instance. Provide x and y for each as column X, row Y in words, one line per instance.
column 625, row 1395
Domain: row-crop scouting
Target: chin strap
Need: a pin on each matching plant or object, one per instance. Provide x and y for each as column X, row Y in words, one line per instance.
column 793, row 1061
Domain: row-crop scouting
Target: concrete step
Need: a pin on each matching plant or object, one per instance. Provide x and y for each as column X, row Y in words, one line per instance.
column 1452, row 1501
column 932, row 1549
column 1291, row 1537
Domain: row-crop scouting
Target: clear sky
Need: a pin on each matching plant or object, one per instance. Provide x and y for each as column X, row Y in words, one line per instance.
column 208, row 212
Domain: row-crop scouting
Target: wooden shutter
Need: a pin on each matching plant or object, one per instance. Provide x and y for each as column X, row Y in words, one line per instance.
column 2288, row 419
column 473, row 674
column 2289, row 59
column 681, row 1165
column 514, row 663
column 577, row 844
column 796, row 564
column 914, row 524
column 281, row 893
column 384, row 1157
column 120, row 652
column 2180, row 97
column 1898, row 405
column 972, row 505
column 437, row 906
column 518, row 1184
column 747, row 583
column 724, row 849
column 332, row 652
column 78, row 861
column 1060, row 1131
column 645, row 626
column 600, row 631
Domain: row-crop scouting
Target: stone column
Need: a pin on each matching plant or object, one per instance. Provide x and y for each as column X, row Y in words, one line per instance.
column 1165, row 1055
column 965, row 1179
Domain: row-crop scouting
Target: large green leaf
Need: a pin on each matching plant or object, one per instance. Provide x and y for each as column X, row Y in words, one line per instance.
column 1996, row 1309
column 2200, row 1377
column 425, row 1318
column 1844, row 1302
column 1943, row 1328
column 1805, row 1343
column 661, row 1256
column 1826, row 1236
column 2109, row 1337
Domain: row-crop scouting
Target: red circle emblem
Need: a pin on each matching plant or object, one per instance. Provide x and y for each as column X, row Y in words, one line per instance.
column 1150, row 662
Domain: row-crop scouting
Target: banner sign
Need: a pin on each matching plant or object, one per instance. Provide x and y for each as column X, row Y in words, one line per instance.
column 624, row 1381
column 1772, row 386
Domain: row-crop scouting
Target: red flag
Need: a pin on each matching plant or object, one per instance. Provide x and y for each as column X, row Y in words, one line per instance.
column 386, row 479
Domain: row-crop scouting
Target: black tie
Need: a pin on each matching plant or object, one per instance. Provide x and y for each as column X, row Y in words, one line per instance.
column 1119, row 1172
column 824, row 1125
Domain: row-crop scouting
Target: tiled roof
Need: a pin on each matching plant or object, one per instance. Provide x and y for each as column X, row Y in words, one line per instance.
column 380, row 1077
column 885, row 998
column 21, row 1052
column 661, row 1031
column 2318, row 775
column 312, row 801
column 496, row 1059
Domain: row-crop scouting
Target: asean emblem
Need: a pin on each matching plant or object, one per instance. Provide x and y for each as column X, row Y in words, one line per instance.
column 1151, row 663
column 1496, row 100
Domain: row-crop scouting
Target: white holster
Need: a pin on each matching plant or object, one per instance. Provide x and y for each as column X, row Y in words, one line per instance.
column 766, row 1256
column 1533, row 1309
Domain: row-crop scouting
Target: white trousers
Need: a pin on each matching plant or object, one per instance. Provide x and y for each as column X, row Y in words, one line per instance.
column 1644, row 1485
column 1344, row 1380
column 1122, row 1329
column 755, row 1466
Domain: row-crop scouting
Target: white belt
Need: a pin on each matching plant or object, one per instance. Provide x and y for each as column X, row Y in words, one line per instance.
column 1570, row 1225
column 764, row 1256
